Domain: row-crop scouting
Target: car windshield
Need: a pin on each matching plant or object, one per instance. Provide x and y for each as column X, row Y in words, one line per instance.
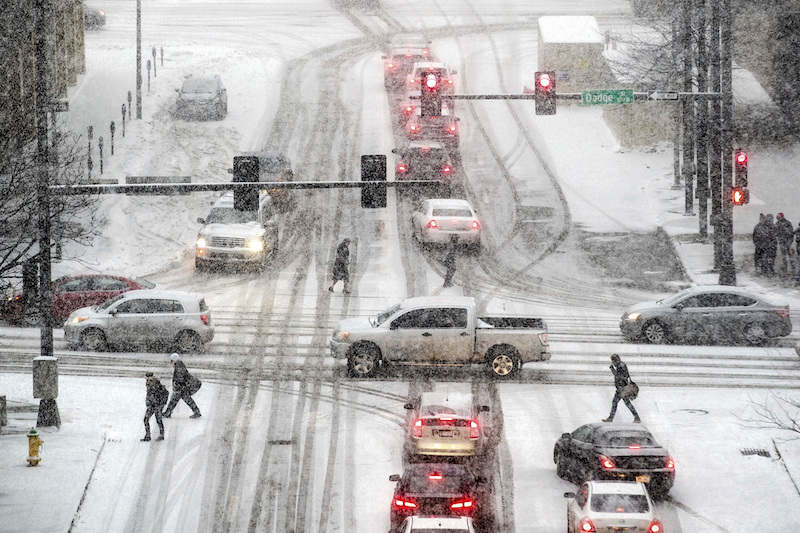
column 199, row 85
column 624, row 439
column 428, row 156
column 377, row 320
column 620, row 503
column 144, row 283
column 226, row 215
column 671, row 300
column 439, row 410
column 451, row 212
column 109, row 303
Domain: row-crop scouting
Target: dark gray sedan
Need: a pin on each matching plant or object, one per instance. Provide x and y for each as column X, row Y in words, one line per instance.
column 711, row 313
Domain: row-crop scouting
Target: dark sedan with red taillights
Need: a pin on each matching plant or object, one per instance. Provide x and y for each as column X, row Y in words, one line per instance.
column 615, row 452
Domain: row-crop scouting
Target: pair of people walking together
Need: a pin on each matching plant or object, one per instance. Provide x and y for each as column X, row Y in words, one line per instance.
column 184, row 385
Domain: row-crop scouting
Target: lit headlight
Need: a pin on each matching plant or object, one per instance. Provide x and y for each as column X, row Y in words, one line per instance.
column 341, row 336
column 634, row 316
column 78, row 319
column 255, row 245
column 201, row 242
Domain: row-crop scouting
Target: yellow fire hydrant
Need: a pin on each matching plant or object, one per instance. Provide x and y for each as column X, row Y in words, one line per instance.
column 34, row 445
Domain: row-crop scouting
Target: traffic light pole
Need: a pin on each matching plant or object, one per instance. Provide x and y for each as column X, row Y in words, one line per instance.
column 727, row 269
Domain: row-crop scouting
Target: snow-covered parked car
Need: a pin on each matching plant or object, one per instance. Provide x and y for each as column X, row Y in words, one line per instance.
column 166, row 320
column 202, row 97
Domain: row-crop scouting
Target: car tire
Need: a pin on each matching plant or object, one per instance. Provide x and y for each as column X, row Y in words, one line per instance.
column 187, row 342
column 654, row 332
column 363, row 361
column 94, row 340
column 504, row 362
column 755, row 334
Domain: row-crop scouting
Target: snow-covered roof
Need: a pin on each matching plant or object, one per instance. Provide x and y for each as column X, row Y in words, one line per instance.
column 570, row 29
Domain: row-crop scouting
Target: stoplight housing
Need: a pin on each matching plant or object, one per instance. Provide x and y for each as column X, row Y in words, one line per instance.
column 740, row 196
column 740, row 168
column 545, row 92
column 430, row 96
column 246, row 170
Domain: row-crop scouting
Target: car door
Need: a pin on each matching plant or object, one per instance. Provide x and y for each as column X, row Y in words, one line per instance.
column 582, row 451
column 735, row 313
column 411, row 333
column 127, row 322
column 693, row 316
column 453, row 340
column 166, row 318
column 69, row 295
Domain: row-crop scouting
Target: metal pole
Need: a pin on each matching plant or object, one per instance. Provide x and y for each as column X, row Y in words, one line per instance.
column 687, row 169
column 139, row 59
column 715, row 150
column 702, row 121
column 727, row 271
column 676, row 112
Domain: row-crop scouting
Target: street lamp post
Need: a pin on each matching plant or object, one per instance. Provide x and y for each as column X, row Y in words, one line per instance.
column 139, row 59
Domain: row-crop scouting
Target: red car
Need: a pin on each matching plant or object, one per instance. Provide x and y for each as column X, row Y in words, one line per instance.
column 70, row 293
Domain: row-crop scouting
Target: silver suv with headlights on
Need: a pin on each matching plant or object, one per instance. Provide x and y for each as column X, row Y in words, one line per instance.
column 233, row 237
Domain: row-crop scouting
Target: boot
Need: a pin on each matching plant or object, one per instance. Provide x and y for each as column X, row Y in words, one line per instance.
column 195, row 415
column 160, row 437
column 609, row 419
column 166, row 414
column 146, row 438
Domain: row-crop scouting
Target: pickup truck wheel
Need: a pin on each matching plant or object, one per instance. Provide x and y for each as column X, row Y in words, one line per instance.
column 363, row 361
column 504, row 363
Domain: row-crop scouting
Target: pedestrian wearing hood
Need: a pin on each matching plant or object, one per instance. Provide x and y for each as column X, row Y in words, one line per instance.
column 772, row 246
column 624, row 392
column 157, row 395
column 341, row 266
column 784, row 232
column 184, row 385
column 761, row 239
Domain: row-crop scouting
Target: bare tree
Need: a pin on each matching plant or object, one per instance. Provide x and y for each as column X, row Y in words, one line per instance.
column 778, row 411
column 71, row 216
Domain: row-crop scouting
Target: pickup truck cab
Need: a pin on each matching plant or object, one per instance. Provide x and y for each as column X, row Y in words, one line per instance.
column 233, row 237
column 439, row 331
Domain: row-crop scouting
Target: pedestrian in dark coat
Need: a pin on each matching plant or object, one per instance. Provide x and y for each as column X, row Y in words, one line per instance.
column 155, row 399
column 772, row 246
column 784, row 232
column 341, row 266
column 449, row 261
column 760, row 244
column 621, row 379
column 183, row 386
column 797, row 249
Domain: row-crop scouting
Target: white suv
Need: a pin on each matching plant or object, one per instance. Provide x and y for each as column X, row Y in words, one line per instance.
column 230, row 236
column 168, row 320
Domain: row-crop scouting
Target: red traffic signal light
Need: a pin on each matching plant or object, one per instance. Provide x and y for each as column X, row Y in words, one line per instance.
column 740, row 196
column 740, row 168
column 430, row 97
column 431, row 82
column 545, row 92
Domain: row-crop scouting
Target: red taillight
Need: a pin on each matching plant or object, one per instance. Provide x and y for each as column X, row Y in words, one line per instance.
column 417, row 432
column 587, row 525
column 435, row 477
column 389, row 66
column 446, row 420
column 401, row 503
column 408, row 109
column 447, row 169
column 634, row 447
column 606, row 463
column 474, row 430
column 413, row 128
column 475, row 224
column 401, row 168
column 655, row 527
column 451, row 129
column 670, row 463
column 464, row 504
column 205, row 318
column 425, row 51
column 783, row 312
column 432, row 224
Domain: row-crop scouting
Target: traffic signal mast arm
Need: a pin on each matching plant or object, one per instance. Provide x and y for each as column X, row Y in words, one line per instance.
column 177, row 188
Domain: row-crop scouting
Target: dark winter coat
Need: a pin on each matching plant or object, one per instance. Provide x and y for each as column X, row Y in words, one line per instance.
column 340, row 266
column 157, row 393
column 621, row 376
column 180, row 377
column 764, row 236
column 784, row 232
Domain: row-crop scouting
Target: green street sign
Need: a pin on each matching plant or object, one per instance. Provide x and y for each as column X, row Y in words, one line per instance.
column 607, row 96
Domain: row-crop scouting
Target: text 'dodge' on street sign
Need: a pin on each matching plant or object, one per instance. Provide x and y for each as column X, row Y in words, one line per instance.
column 607, row 96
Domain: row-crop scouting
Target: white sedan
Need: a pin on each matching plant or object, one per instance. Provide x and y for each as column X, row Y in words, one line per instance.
column 436, row 220
column 432, row 524
column 611, row 506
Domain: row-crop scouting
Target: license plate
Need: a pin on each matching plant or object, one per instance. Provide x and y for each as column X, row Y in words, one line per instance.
column 446, row 433
column 643, row 479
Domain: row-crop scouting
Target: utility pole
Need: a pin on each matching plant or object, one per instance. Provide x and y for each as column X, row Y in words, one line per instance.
column 727, row 270
column 139, row 59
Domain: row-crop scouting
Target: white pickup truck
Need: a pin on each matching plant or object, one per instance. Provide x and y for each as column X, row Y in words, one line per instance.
column 441, row 331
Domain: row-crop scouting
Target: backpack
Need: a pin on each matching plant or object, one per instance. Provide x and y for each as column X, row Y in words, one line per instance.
column 162, row 395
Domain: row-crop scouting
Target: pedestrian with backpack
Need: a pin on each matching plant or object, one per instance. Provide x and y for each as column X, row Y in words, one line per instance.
column 626, row 389
column 156, row 398
column 184, row 385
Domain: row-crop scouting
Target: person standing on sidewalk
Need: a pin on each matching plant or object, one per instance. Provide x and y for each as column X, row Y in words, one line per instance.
column 621, row 379
column 784, row 231
column 157, row 395
column 183, row 386
column 341, row 266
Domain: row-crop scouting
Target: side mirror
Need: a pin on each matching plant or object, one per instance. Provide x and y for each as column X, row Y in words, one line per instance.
column 678, row 306
column 569, row 494
column 201, row 220
column 480, row 479
column 113, row 312
column 394, row 150
column 392, row 326
column 384, row 57
column 566, row 436
column 394, row 477
column 408, row 406
column 177, row 90
column 453, row 72
column 484, row 408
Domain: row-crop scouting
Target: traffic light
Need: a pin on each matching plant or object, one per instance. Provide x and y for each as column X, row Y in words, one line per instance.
column 545, row 92
column 740, row 168
column 740, row 196
column 430, row 96
column 245, row 170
